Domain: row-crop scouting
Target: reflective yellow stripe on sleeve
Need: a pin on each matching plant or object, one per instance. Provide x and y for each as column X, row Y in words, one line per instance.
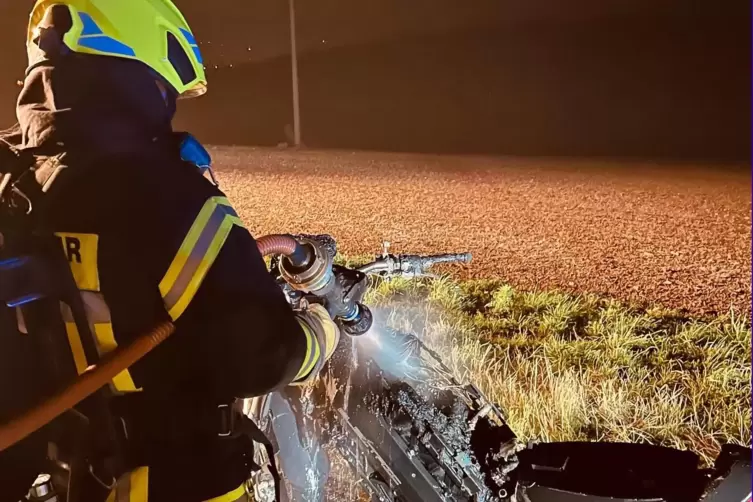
column 312, row 353
column 196, row 254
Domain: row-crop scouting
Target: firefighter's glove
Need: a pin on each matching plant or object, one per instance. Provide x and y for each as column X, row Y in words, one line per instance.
column 322, row 337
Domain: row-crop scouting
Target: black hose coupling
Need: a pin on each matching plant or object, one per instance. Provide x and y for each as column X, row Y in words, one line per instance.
column 361, row 323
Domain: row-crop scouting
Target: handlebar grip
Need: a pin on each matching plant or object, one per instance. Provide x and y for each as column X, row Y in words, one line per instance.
column 439, row 258
column 448, row 258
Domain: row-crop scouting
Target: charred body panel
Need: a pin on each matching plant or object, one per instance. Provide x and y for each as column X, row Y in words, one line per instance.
column 422, row 439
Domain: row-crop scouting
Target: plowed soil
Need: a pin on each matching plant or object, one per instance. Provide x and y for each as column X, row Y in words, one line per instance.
column 652, row 233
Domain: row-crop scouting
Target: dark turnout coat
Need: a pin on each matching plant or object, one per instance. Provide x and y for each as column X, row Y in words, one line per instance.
column 149, row 238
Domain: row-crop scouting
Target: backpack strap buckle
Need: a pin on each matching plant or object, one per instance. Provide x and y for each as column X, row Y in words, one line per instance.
column 226, row 420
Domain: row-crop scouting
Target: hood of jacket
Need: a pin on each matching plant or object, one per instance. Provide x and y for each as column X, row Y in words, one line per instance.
column 95, row 104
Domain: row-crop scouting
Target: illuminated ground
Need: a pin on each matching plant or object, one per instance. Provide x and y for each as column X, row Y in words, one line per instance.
column 670, row 235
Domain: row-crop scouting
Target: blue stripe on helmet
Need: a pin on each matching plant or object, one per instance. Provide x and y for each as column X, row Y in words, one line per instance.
column 189, row 36
column 90, row 27
column 197, row 54
column 109, row 45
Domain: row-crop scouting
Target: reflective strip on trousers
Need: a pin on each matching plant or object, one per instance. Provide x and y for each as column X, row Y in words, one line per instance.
column 196, row 254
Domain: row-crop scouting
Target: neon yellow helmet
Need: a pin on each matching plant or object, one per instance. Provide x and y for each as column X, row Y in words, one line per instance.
column 151, row 31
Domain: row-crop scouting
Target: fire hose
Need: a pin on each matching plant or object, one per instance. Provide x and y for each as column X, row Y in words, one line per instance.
column 95, row 377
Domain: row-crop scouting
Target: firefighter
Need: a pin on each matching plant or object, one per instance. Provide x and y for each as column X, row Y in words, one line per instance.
column 150, row 238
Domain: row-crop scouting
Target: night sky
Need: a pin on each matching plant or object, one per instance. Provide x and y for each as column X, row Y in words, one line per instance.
column 240, row 37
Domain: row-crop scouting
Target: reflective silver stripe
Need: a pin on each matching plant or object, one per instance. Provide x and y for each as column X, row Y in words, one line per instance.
column 198, row 253
column 96, row 308
column 97, row 311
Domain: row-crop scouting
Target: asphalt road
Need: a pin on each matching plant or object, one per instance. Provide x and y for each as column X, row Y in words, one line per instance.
column 668, row 234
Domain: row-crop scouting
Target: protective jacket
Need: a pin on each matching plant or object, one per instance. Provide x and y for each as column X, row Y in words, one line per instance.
column 149, row 238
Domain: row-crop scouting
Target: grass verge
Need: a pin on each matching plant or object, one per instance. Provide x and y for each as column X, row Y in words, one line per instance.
column 567, row 367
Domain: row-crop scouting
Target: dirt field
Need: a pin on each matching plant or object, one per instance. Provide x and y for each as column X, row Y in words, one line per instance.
column 678, row 236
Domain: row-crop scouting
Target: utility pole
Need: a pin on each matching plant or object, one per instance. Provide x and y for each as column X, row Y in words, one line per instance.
column 294, row 63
